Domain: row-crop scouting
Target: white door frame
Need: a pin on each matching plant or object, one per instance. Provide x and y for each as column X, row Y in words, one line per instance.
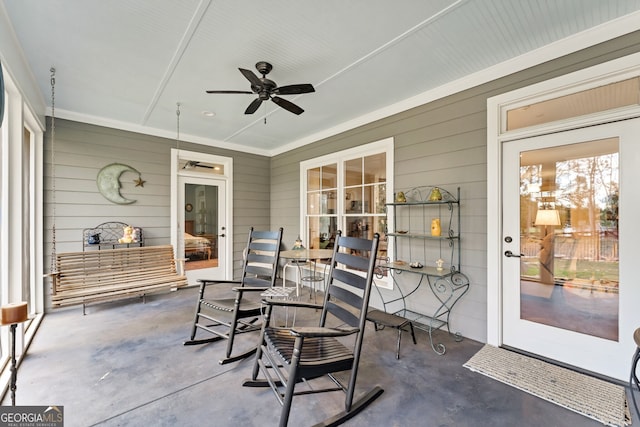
column 177, row 158
column 607, row 356
column 497, row 107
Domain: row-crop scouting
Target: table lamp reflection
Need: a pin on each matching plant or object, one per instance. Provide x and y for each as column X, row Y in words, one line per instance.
column 547, row 218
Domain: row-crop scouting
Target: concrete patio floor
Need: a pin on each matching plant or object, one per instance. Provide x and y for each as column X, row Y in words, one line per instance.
column 123, row 364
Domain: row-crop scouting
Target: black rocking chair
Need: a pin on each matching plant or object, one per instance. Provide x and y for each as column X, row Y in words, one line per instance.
column 224, row 318
column 288, row 356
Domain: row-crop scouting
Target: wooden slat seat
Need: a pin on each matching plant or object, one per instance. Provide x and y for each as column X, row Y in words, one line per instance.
column 108, row 275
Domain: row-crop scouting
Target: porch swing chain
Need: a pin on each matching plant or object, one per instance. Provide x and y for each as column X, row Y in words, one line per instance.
column 179, row 226
column 52, row 268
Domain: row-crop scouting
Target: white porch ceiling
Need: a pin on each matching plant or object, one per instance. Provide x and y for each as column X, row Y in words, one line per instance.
column 126, row 63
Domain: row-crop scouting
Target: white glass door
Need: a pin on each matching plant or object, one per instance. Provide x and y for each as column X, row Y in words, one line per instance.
column 570, row 223
column 202, row 243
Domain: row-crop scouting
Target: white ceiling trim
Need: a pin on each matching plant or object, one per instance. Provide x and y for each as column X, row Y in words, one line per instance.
column 601, row 33
column 393, row 41
column 175, row 60
column 116, row 124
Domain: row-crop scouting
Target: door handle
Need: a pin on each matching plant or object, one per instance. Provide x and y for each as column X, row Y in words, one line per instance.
column 221, row 235
column 510, row 254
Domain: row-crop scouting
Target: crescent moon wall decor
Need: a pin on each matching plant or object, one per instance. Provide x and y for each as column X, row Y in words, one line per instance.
column 108, row 182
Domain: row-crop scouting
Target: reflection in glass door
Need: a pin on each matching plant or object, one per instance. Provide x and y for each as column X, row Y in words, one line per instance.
column 569, row 273
column 200, row 226
column 203, row 226
column 570, row 227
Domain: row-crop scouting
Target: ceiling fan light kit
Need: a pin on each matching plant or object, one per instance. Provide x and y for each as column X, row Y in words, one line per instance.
column 267, row 89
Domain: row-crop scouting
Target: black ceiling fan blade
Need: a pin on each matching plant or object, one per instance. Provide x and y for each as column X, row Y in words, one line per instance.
column 253, row 107
column 294, row 89
column 255, row 81
column 230, row 91
column 287, row 105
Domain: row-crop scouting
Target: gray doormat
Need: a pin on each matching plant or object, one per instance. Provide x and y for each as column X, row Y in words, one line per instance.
column 594, row 398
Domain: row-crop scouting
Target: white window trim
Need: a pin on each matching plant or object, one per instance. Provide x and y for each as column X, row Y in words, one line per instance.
column 382, row 146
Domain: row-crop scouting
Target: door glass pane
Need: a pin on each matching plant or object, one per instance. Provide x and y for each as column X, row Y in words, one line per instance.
column 200, row 226
column 374, row 199
column 313, row 203
column 328, row 205
column 569, row 272
column 313, row 179
column 353, row 172
column 329, row 177
column 322, row 231
column 379, row 198
column 375, row 168
column 353, row 203
column 365, row 227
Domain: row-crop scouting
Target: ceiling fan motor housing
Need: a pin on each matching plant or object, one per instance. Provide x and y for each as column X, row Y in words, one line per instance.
column 263, row 67
column 266, row 89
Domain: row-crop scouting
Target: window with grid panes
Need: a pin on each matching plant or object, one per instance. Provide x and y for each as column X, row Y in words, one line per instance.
column 347, row 191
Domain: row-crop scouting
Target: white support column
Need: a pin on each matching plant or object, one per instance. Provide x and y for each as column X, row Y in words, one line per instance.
column 12, row 195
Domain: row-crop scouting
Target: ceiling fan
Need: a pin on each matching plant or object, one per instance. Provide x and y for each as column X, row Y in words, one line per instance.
column 268, row 89
column 192, row 164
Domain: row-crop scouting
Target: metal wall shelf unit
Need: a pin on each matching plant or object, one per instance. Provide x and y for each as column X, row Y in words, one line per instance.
column 412, row 239
column 412, row 220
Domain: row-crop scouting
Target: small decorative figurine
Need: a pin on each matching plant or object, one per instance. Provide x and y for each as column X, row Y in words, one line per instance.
column 435, row 227
column 400, row 197
column 128, row 236
column 439, row 264
column 297, row 245
column 435, row 195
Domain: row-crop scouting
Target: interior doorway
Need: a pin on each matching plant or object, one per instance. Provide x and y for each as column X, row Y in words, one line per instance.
column 202, row 215
column 204, row 224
